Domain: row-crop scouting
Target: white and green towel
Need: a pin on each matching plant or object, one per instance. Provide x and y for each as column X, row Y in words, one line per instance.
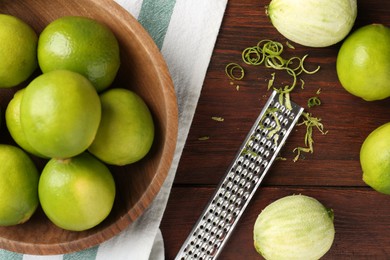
column 185, row 31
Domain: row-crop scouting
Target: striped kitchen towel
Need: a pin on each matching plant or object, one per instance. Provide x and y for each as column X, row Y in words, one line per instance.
column 182, row 29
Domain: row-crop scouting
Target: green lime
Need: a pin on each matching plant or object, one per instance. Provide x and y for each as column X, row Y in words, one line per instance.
column 18, row 186
column 375, row 159
column 126, row 130
column 77, row 193
column 60, row 113
column 82, row 45
column 18, row 47
column 363, row 62
column 12, row 119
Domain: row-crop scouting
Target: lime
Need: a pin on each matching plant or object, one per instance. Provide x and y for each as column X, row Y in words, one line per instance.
column 60, row 113
column 77, row 193
column 12, row 119
column 363, row 62
column 18, row 47
column 82, row 45
column 294, row 227
column 375, row 159
column 18, row 186
column 126, row 130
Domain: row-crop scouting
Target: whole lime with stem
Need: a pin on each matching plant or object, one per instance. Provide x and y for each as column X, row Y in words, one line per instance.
column 76, row 193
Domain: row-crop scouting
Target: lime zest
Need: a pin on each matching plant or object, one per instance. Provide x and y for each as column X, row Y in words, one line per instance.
column 204, row 138
column 305, row 70
column 271, row 81
column 310, row 122
column 275, row 62
column 302, row 84
column 269, row 53
column 277, row 127
column 252, row 56
column 296, row 68
column 231, row 69
column 272, row 48
column 313, row 101
column 218, row 118
column 288, row 44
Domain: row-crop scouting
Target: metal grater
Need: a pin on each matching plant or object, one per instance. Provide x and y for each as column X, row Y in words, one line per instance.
column 252, row 162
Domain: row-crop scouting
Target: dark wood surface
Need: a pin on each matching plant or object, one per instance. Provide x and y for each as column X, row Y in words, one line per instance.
column 332, row 174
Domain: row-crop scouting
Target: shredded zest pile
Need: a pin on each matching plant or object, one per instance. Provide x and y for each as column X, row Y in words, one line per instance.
column 269, row 53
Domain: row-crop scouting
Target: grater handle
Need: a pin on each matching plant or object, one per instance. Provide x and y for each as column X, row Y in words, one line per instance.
column 243, row 177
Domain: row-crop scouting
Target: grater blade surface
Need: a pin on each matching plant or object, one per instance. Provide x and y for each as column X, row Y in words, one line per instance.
column 243, row 177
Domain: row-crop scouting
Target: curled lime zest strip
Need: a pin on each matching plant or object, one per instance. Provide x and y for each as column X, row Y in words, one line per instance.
column 298, row 68
column 261, row 44
column 272, row 48
column 303, row 67
column 292, row 73
column 230, row 71
column 288, row 88
column 252, row 56
column 275, row 62
column 313, row 101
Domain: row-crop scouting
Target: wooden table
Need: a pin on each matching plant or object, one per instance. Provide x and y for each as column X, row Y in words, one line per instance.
column 332, row 174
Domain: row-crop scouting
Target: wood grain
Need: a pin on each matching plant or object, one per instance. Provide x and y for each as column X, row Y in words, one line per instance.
column 331, row 174
column 142, row 70
column 361, row 220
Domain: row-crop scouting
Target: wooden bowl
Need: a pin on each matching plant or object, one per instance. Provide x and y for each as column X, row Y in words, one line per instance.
column 144, row 71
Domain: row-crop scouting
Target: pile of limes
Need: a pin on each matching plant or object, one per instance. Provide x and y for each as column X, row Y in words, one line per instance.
column 71, row 115
column 363, row 68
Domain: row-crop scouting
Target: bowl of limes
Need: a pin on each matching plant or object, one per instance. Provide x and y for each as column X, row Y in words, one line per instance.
column 88, row 123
